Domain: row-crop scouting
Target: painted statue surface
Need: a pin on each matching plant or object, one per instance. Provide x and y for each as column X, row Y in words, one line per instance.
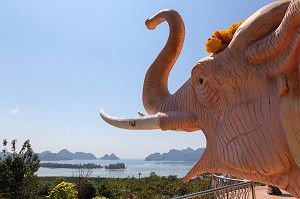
column 246, row 99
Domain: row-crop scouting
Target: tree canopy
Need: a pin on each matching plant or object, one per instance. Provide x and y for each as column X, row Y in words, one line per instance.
column 17, row 171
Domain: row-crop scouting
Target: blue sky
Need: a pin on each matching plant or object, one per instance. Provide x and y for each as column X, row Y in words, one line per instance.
column 63, row 61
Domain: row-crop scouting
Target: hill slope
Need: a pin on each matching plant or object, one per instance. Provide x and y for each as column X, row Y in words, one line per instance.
column 65, row 155
column 177, row 155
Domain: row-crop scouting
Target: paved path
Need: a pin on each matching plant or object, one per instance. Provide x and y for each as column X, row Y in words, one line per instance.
column 261, row 193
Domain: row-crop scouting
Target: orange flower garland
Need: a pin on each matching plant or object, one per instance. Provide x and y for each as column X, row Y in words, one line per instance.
column 221, row 39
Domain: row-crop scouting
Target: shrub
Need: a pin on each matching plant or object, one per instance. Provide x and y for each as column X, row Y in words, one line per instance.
column 63, row 190
column 153, row 186
column 86, row 189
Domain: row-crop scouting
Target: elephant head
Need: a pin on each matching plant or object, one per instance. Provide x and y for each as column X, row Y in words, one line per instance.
column 245, row 99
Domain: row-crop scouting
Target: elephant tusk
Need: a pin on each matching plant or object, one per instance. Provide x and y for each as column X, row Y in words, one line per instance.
column 141, row 123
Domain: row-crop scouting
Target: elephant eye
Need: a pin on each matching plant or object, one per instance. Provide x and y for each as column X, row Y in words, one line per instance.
column 201, row 81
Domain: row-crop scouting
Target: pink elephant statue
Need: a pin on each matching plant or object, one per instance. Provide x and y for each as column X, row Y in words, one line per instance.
column 246, row 98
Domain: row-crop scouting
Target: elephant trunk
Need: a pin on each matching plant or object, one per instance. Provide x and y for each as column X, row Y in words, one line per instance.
column 167, row 112
column 155, row 91
column 178, row 107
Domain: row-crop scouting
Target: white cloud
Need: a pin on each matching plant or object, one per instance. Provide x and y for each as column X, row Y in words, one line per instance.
column 14, row 110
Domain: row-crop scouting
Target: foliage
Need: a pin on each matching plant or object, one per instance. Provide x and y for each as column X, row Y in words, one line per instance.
column 17, row 172
column 86, row 189
column 63, row 190
column 153, row 186
column 49, row 180
column 58, row 181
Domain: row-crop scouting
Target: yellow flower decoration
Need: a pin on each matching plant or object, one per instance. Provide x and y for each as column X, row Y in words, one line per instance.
column 221, row 39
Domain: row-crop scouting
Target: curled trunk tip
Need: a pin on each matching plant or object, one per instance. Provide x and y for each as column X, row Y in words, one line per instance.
column 155, row 91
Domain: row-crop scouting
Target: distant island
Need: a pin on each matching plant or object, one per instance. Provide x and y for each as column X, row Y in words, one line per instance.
column 116, row 166
column 67, row 155
column 173, row 155
column 177, row 155
column 109, row 157
column 70, row 166
column 82, row 166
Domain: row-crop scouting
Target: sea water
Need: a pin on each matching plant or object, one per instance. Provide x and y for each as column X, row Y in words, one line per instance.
column 134, row 167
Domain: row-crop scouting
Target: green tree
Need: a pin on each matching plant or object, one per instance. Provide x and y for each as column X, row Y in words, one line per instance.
column 17, row 172
column 63, row 190
column 153, row 186
column 58, row 181
column 86, row 189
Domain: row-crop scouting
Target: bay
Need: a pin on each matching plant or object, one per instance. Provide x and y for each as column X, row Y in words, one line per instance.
column 134, row 167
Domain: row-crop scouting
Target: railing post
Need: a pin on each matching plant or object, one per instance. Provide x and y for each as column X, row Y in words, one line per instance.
column 253, row 190
column 227, row 193
column 240, row 189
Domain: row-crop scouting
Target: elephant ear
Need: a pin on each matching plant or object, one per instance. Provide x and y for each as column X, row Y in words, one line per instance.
column 280, row 43
column 277, row 56
column 260, row 24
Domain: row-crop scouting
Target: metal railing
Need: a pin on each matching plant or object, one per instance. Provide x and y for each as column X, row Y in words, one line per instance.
column 226, row 188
